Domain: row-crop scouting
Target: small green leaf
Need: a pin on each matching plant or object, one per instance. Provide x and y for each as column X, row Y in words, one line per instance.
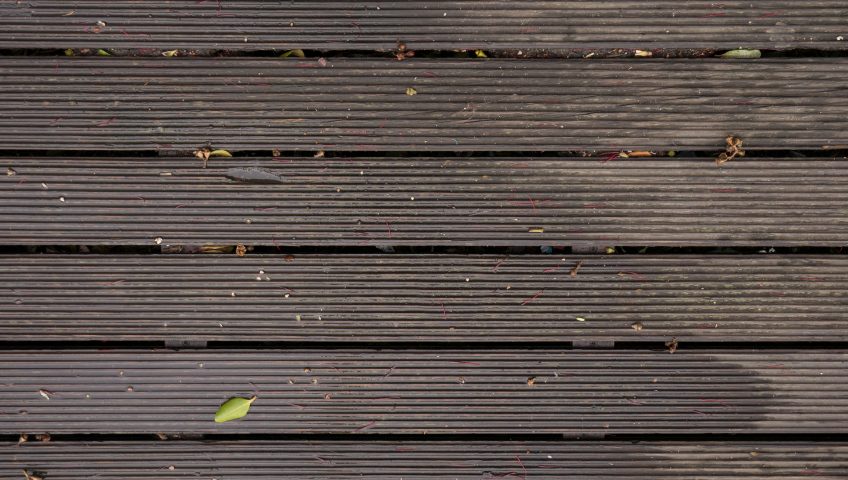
column 294, row 53
column 103, row 53
column 220, row 153
column 69, row 52
column 742, row 53
column 233, row 409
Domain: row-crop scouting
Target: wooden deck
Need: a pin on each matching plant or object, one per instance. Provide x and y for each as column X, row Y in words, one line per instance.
column 463, row 264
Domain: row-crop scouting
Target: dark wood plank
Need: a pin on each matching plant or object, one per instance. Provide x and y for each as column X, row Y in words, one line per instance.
column 109, row 103
column 325, row 460
column 444, row 25
column 448, row 298
column 441, row 201
column 426, row 391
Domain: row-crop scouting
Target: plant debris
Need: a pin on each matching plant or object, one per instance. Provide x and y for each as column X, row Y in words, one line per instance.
column 531, row 381
column 170, row 53
column 576, row 268
column 43, row 437
column 205, row 152
column 580, row 319
column 402, row 53
column 241, row 250
column 10, row 172
column 47, row 394
column 233, row 409
column 32, row 476
column 411, row 91
column 298, row 53
column 637, row 326
column 671, row 345
column 733, row 150
column 742, row 53
column 23, row 438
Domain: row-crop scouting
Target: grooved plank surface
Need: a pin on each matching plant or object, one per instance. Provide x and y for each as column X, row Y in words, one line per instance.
column 258, row 459
column 254, row 25
column 397, row 298
column 425, row 391
column 110, row 103
column 441, row 201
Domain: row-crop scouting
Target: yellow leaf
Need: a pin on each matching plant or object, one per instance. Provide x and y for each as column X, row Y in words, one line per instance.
column 580, row 319
column 220, row 153
column 644, row 53
column 294, row 53
column 103, row 53
column 536, row 230
column 170, row 53
column 411, row 91
column 69, row 52
column 480, row 54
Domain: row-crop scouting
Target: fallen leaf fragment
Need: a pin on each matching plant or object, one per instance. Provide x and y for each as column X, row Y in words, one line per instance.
column 220, row 153
column 318, row 154
column 157, row 240
column 576, row 268
column 31, row 476
column 755, row 454
column 170, row 53
column 103, row 53
column 23, row 438
column 162, row 436
column 637, row 326
column 644, row 53
column 233, row 409
column 294, row 53
column 10, row 172
column 47, row 394
column 732, row 150
column 536, row 230
column 69, row 52
column 672, row 345
column 275, row 153
column 402, row 52
column 742, row 53
column 480, row 54
column 43, row 437
column 580, row 319
column 411, row 91
column 241, row 250
column 531, row 381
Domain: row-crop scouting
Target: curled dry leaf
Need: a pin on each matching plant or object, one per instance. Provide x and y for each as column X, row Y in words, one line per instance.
column 23, row 438
column 732, row 150
column 241, row 250
column 671, row 345
column 47, row 394
column 411, row 91
column 480, row 54
column 318, row 154
column 402, row 52
column 531, row 381
column 162, row 436
column 275, row 153
column 643, row 53
column 536, row 230
column 170, row 53
column 637, row 326
column 294, row 53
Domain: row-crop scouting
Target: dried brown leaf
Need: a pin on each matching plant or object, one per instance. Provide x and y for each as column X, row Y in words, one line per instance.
column 637, row 326
column 671, row 345
column 241, row 250
column 576, row 268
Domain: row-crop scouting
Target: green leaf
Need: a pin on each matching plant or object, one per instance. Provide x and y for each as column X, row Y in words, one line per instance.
column 294, row 53
column 220, row 153
column 742, row 53
column 233, row 409
column 103, row 53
